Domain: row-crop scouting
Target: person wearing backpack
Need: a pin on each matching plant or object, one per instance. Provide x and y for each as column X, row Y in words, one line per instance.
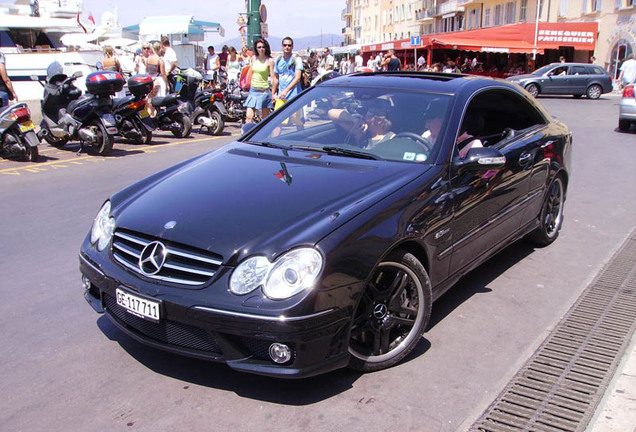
column 288, row 70
column 288, row 73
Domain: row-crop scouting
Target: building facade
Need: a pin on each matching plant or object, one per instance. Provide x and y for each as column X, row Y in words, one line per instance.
column 376, row 23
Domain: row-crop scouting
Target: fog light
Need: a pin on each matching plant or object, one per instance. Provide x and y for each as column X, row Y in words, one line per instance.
column 86, row 283
column 280, row 353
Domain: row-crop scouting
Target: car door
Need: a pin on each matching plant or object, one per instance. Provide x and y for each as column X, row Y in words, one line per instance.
column 579, row 79
column 489, row 205
column 556, row 81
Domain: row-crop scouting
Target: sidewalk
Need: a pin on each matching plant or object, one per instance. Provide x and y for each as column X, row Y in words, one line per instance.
column 617, row 410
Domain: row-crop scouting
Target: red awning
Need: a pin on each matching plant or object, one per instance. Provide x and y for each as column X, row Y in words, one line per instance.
column 513, row 38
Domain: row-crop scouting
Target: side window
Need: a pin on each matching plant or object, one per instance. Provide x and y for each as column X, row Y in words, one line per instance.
column 561, row 70
column 494, row 118
column 579, row 70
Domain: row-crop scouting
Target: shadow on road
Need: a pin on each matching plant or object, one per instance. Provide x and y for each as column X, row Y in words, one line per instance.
column 295, row 392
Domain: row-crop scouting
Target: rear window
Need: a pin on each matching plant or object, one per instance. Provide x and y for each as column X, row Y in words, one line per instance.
column 596, row 70
column 580, row 70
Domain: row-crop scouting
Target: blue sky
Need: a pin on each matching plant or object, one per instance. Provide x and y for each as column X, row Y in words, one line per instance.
column 295, row 18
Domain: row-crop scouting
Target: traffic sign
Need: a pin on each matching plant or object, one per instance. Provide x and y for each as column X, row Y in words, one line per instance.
column 415, row 40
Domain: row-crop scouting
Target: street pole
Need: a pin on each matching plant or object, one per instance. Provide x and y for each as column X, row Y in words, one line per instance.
column 253, row 21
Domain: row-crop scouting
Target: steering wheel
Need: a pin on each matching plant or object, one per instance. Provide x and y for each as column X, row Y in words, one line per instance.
column 418, row 139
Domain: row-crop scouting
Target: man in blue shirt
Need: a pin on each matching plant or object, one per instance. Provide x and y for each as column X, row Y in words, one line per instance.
column 288, row 70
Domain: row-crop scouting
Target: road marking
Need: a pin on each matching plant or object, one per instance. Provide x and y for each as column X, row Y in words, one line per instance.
column 40, row 167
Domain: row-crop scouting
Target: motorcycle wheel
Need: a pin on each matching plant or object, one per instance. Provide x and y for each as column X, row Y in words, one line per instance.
column 217, row 122
column 104, row 143
column 32, row 154
column 55, row 141
column 185, row 126
column 146, row 135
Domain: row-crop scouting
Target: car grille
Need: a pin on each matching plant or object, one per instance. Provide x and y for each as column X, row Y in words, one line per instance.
column 183, row 265
column 166, row 331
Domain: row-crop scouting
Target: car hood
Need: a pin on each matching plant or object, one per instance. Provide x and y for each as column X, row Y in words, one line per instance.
column 523, row 77
column 244, row 199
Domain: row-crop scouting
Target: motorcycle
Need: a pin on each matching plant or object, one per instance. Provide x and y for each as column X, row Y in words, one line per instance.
column 172, row 114
column 69, row 115
column 234, row 98
column 17, row 135
column 133, row 121
column 209, row 109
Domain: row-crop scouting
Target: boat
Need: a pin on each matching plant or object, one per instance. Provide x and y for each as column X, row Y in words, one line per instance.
column 31, row 35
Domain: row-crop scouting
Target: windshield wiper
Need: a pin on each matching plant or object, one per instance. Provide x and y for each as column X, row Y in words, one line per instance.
column 337, row 151
column 268, row 144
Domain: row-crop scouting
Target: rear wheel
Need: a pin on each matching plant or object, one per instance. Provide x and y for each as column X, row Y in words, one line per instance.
column 32, row 154
column 184, row 128
column 145, row 136
column 392, row 314
column 533, row 89
column 594, row 91
column 624, row 124
column 217, row 122
column 551, row 217
column 104, row 143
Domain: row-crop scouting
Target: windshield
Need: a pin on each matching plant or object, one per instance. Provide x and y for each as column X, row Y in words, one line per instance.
column 366, row 123
column 542, row 70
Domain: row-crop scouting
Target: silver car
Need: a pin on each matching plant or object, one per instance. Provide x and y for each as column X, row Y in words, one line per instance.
column 627, row 108
column 576, row 79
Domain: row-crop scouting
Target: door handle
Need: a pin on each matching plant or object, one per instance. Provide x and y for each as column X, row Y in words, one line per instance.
column 525, row 158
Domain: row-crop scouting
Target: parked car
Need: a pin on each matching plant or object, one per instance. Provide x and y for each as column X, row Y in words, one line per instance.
column 313, row 242
column 627, row 108
column 575, row 79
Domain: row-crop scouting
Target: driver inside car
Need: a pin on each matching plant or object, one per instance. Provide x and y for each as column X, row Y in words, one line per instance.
column 368, row 131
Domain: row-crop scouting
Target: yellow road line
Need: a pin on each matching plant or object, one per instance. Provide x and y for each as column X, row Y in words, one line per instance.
column 35, row 167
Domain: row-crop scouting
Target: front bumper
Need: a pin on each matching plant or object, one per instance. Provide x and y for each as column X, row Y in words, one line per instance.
column 318, row 341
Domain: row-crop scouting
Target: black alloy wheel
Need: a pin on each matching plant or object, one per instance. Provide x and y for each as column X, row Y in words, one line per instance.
column 145, row 136
column 104, row 143
column 551, row 217
column 392, row 313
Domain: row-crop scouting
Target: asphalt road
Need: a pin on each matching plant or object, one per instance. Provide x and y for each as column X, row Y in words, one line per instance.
column 65, row 368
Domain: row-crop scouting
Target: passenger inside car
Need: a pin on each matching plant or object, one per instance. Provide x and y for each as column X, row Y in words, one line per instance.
column 472, row 127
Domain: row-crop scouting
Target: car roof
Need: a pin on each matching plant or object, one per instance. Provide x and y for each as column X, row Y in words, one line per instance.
column 436, row 82
column 571, row 64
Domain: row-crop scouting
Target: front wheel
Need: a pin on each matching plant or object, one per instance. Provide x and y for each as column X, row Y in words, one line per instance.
column 104, row 142
column 594, row 91
column 533, row 89
column 551, row 217
column 392, row 314
column 145, row 136
column 624, row 125
column 184, row 128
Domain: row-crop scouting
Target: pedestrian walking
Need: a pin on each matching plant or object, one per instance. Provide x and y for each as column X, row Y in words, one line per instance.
column 327, row 62
column 421, row 62
column 212, row 64
column 391, row 62
column 6, row 87
column 313, row 64
column 288, row 70
column 628, row 71
column 359, row 62
column 233, row 68
column 260, row 95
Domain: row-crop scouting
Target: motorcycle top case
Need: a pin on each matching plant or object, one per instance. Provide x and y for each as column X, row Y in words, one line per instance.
column 140, row 84
column 104, row 82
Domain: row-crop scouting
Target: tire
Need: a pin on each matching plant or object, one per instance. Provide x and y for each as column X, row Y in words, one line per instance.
column 55, row 141
column 624, row 125
column 533, row 89
column 551, row 216
column 217, row 122
column 185, row 126
column 392, row 313
column 104, row 143
column 32, row 154
column 594, row 91
column 145, row 135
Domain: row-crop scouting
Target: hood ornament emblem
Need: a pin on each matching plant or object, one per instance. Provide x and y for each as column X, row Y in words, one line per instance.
column 152, row 258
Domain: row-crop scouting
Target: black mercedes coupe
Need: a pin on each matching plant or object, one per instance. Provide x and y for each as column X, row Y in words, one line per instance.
column 321, row 237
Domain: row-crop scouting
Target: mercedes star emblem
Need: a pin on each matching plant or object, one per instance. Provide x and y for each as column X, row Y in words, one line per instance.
column 152, row 258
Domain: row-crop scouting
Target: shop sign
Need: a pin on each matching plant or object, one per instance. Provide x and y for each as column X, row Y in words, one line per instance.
column 495, row 50
column 386, row 46
column 565, row 36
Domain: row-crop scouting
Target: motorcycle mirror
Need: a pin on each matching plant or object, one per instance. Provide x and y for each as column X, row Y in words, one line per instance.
column 78, row 74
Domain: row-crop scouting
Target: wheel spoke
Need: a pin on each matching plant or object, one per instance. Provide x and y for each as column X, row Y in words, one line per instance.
column 409, row 322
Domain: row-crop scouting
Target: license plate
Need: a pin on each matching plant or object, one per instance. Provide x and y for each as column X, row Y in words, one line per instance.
column 26, row 126
column 138, row 306
column 143, row 113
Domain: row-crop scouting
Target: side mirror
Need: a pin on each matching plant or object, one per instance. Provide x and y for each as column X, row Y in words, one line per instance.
column 480, row 159
column 78, row 74
column 247, row 127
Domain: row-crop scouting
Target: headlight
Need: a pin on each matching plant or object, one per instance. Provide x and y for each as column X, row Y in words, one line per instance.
column 290, row 274
column 103, row 227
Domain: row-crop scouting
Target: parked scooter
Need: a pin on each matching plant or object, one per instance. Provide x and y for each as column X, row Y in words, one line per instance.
column 133, row 121
column 209, row 109
column 234, row 98
column 69, row 115
column 17, row 135
column 174, row 111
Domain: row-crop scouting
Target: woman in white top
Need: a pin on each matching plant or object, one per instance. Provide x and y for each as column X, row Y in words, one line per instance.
column 233, row 67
